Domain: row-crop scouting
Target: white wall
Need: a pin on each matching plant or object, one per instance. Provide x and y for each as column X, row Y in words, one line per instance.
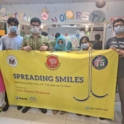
column 112, row 9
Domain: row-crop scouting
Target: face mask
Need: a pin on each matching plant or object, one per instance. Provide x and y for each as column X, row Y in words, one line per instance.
column 35, row 30
column 13, row 28
column 84, row 46
column 119, row 29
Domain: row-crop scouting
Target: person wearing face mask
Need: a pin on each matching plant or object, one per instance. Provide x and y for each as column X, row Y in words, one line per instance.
column 36, row 41
column 85, row 46
column 11, row 41
column 117, row 44
column 60, row 44
column 84, row 43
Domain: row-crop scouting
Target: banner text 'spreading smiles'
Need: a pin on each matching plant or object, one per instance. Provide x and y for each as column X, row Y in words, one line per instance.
column 49, row 78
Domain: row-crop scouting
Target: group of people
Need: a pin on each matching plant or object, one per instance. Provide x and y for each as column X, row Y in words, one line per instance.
column 39, row 41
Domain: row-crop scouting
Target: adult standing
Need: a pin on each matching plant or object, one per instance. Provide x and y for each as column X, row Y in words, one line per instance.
column 35, row 41
column 117, row 44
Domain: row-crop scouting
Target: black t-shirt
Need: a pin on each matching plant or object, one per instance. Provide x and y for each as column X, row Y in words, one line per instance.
column 97, row 45
column 118, row 43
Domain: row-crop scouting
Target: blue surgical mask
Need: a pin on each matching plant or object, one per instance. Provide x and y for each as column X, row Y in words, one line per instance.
column 119, row 29
column 84, row 46
column 13, row 28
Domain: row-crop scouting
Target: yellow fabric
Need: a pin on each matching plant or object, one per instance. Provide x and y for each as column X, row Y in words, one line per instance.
column 2, row 32
column 95, row 86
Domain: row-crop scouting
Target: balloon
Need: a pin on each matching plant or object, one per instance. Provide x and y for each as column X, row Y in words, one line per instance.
column 100, row 3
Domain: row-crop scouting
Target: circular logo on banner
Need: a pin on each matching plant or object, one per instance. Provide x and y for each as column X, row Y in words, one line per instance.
column 44, row 16
column 100, row 62
column 12, row 61
column 52, row 62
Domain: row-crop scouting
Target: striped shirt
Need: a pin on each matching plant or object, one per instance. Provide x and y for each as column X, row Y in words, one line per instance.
column 36, row 43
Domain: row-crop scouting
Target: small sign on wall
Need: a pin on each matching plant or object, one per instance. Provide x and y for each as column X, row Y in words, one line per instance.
column 2, row 32
column 97, row 16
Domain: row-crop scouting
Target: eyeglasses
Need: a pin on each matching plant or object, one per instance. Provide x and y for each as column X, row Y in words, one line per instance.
column 12, row 25
column 35, row 25
column 119, row 25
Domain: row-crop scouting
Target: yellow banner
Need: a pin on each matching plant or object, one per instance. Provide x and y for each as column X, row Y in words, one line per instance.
column 78, row 82
column 1, row 57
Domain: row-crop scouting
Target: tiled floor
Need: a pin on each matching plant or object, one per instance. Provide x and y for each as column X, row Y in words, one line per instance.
column 34, row 116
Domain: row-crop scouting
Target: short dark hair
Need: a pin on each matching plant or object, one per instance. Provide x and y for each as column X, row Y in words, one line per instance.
column 118, row 20
column 35, row 19
column 44, row 33
column 57, row 35
column 84, row 37
column 97, row 37
column 11, row 19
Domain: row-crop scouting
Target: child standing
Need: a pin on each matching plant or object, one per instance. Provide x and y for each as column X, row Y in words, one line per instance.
column 60, row 46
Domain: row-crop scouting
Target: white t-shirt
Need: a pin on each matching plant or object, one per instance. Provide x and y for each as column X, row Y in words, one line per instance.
column 13, row 43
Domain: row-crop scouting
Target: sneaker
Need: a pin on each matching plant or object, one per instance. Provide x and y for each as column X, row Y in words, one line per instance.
column 43, row 110
column 102, row 118
column 25, row 109
column 6, row 108
column 19, row 107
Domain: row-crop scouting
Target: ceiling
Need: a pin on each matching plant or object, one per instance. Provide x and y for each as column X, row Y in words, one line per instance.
column 6, row 2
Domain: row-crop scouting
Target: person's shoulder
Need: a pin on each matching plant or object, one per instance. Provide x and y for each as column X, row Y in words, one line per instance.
column 45, row 38
column 27, row 36
column 111, row 39
column 53, row 40
column 4, row 37
column 20, row 37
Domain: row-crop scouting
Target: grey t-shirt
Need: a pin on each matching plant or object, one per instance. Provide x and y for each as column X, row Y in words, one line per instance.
column 13, row 43
column 119, row 44
column 97, row 45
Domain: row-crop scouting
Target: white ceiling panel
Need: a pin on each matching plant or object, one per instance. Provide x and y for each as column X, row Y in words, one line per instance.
column 5, row 2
